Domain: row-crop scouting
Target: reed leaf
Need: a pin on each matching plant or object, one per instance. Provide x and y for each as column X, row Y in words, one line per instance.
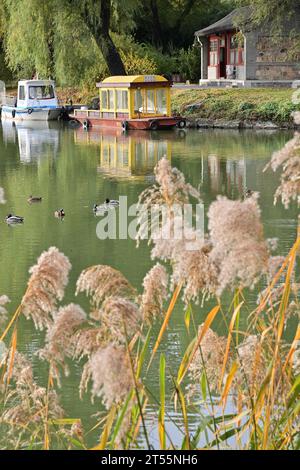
column 120, row 419
column 141, row 357
column 188, row 358
column 161, row 420
column 204, row 385
column 185, row 418
column 292, row 350
column 165, row 322
column 106, row 430
column 187, row 317
column 228, row 383
column 231, row 326
column 14, row 340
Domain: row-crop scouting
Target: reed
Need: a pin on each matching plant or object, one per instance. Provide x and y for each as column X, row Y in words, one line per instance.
column 243, row 386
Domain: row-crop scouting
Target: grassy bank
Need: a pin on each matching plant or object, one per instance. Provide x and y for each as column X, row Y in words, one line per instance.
column 246, row 105
column 267, row 104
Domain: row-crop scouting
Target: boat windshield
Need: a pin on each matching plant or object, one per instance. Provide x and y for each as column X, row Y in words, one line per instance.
column 41, row 92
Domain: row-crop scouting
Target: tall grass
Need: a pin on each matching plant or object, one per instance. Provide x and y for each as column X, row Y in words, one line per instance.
column 242, row 388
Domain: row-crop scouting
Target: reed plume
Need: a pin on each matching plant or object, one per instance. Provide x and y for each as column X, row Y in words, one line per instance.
column 3, row 311
column 111, row 375
column 239, row 250
column 121, row 318
column 60, row 338
column 100, row 282
column 170, row 193
column 209, row 358
column 155, row 291
column 196, row 270
column 288, row 158
column 252, row 362
column 46, row 287
column 26, row 400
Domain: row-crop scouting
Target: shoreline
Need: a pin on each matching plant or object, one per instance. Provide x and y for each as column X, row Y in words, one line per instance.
column 202, row 123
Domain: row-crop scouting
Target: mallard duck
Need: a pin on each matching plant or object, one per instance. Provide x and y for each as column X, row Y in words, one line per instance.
column 14, row 219
column 32, row 199
column 59, row 214
column 108, row 204
column 112, row 203
column 100, row 208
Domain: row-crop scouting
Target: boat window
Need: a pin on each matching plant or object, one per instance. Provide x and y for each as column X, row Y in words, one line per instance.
column 138, row 101
column 104, row 102
column 41, row 92
column 150, row 101
column 21, row 92
column 122, row 99
column 161, row 98
column 111, row 99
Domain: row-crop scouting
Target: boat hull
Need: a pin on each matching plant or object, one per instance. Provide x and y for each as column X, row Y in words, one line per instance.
column 155, row 123
column 30, row 114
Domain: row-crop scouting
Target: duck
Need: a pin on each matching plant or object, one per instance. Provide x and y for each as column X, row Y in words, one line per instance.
column 100, row 208
column 14, row 219
column 108, row 204
column 32, row 199
column 59, row 213
column 112, row 202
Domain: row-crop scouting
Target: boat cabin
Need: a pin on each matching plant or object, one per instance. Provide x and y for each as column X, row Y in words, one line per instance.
column 132, row 102
column 36, row 94
column 135, row 97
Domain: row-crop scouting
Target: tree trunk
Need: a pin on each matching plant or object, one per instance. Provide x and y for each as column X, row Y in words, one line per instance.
column 99, row 26
column 157, row 31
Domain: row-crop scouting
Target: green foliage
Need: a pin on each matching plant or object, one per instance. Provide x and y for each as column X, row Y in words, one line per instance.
column 135, row 64
column 55, row 38
column 189, row 63
column 170, row 24
column 275, row 18
column 275, row 111
column 27, row 46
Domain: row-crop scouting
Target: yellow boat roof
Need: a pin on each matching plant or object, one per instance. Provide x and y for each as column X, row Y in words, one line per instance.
column 128, row 80
column 135, row 78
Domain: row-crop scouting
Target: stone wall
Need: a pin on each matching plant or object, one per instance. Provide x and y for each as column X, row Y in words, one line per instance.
column 274, row 59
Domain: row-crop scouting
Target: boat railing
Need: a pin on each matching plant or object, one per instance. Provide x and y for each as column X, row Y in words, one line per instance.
column 88, row 113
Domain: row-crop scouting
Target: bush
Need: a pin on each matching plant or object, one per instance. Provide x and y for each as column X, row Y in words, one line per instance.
column 268, row 111
column 136, row 65
column 189, row 63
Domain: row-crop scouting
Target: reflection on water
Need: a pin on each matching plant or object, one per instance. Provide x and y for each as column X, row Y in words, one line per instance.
column 74, row 169
column 133, row 155
column 34, row 139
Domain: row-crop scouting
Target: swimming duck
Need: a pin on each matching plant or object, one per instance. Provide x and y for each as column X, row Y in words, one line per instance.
column 59, row 214
column 14, row 219
column 32, row 199
column 112, row 203
column 108, row 204
column 100, row 208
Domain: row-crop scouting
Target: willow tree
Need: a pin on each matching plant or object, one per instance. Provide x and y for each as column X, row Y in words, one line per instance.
column 275, row 14
column 44, row 37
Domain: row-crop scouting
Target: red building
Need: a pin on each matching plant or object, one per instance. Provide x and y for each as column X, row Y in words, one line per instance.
column 234, row 49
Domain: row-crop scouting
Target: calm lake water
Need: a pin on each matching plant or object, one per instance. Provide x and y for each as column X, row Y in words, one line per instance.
column 74, row 169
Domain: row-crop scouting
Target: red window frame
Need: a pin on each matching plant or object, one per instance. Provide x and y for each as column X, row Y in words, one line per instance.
column 238, row 49
column 217, row 52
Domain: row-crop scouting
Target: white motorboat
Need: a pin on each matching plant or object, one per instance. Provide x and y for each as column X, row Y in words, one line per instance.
column 36, row 101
